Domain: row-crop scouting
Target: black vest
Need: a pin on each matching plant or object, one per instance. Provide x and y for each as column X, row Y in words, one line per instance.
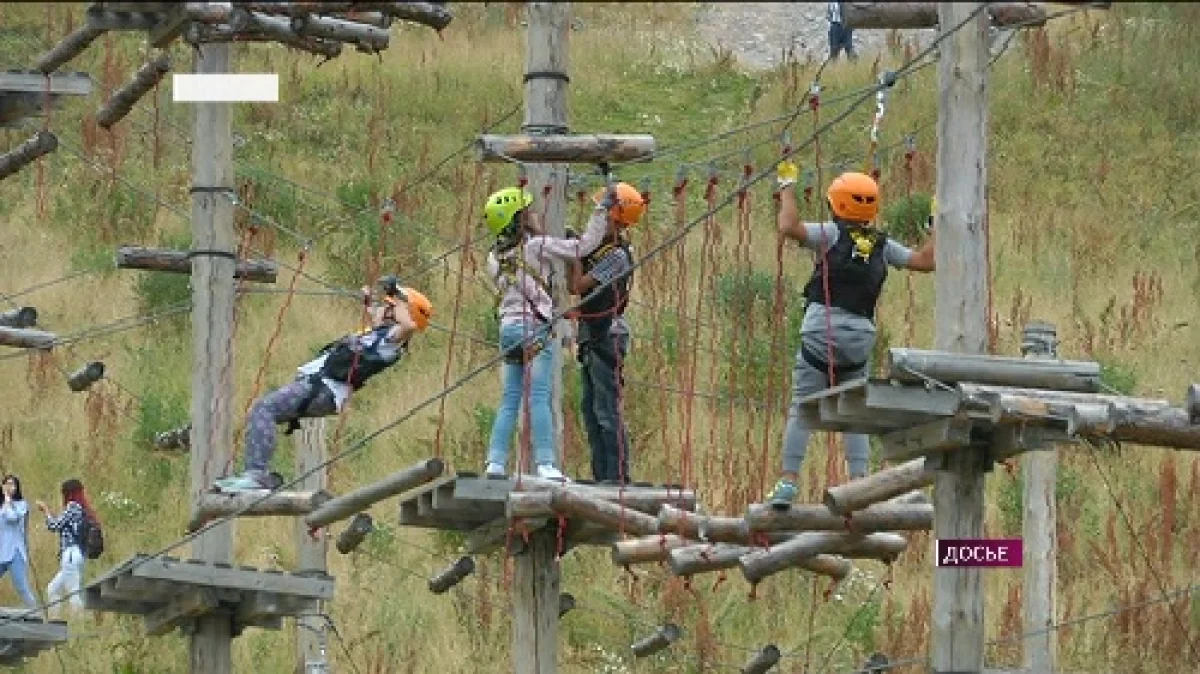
column 610, row 302
column 857, row 270
column 337, row 365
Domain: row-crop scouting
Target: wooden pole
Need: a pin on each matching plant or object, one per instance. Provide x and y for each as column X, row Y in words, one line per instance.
column 887, row 516
column 762, row 563
column 961, row 292
column 27, row 339
column 212, row 339
column 580, row 148
column 123, row 99
column 879, row 486
column 40, row 143
column 536, row 584
column 70, row 47
column 646, row 549
column 344, row 506
column 1039, row 476
column 252, row 504
column 546, row 65
column 178, row 262
column 311, row 549
column 915, row 365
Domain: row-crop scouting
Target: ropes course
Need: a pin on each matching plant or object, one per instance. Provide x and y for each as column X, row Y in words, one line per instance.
column 671, row 267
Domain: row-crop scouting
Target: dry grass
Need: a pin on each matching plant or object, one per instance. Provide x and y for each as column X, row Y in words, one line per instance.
column 1093, row 226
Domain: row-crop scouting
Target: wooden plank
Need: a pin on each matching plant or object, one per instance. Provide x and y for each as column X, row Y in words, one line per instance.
column 63, row 84
column 493, row 535
column 938, row 436
column 185, row 607
column 13, row 629
column 828, row 409
column 93, row 600
column 215, row 576
column 446, row 505
column 854, row 404
column 936, row 402
column 365, row 36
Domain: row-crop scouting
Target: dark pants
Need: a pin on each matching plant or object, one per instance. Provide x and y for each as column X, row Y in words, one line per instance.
column 281, row 406
column 601, row 357
column 841, row 37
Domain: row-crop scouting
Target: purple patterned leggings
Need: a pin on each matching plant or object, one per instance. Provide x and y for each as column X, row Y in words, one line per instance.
column 277, row 407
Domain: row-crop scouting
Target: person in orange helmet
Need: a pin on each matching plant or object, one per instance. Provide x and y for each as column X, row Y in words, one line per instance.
column 323, row 384
column 602, row 338
column 839, row 320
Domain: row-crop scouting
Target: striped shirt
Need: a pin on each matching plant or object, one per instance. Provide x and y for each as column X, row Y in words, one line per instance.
column 835, row 12
column 615, row 262
column 69, row 526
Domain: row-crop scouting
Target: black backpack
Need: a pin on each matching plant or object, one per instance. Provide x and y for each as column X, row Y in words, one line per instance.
column 91, row 538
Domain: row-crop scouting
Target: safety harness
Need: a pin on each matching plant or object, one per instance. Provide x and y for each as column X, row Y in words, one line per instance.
column 509, row 264
column 597, row 313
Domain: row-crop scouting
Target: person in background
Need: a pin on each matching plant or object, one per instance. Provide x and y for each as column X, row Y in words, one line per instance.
column 853, row 257
column 840, row 37
column 69, row 526
column 14, row 544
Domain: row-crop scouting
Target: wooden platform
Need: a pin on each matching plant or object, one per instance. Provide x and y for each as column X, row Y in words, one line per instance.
column 22, row 93
column 24, row 636
column 170, row 593
column 472, row 503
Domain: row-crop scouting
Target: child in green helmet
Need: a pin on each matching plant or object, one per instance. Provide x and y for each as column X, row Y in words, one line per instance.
column 520, row 264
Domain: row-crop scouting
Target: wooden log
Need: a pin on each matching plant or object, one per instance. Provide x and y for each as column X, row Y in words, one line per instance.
column 976, row 391
column 452, row 575
column 910, row 15
column 245, row 25
column 1193, row 404
column 27, row 339
column 123, row 99
column 662, row 638
column 344, row 506
column 529, row 504
column 20, row 318
column 70, row 47
column 578, row 148
column 647, row 549
column 41, row 143
column 760, row 564
column 176, row 438
column 366, row 37
column 432, row 14
column 1166, row 427
column 879, row 486
column 886, row 516
column 917, row 365
column 714, row 529
column 256, row 504
column 377, row 19
column 355, row 533
column 211, row 13
column 84, row 377
column 762, row 660
column 644, row 499
column 178, row 262
column 572, row 503
column 704, row 557
column 1091, row 419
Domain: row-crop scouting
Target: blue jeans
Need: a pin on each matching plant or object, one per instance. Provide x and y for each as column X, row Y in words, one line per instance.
column 20, row 576
column 541, row 415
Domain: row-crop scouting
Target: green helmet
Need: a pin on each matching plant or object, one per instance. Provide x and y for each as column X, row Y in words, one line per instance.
column 502, row 206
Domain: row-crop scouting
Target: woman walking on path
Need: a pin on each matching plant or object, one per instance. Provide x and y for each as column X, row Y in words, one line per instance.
column 14, row 543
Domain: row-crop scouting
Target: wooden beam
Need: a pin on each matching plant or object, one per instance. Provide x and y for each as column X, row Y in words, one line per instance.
column 70, row 47
column 536, row 587
column 930, row 438
column 646, row 549
column 27, row 339
column 256, row 504
column 178, row 262
column 960, row 314
column 123, row 99
column 366, row 37
column 100, row 18
column 879, row 486
column 170, row 25
column 760, row 564
column 710, row 528
column 20, row 318
column 916, row 365
column 644, row 499
column 433, row 14
column 41, row 143
column 1169, row 427
column 187, row 606
column 886, row 516
column 705, row 557
column 911, row 15
column 971, row 390
column 312, row 549
column 344, row 506
column 612, row 515
column 579, row 148
column 84, row 377
column 34, row 82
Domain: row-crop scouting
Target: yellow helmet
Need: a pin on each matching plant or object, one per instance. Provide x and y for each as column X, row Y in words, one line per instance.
column 503, row 206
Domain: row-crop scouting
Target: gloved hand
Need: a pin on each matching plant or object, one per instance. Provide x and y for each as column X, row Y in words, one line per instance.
column 786, row 173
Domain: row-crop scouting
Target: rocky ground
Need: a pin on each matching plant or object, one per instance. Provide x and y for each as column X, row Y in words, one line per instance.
column 760, row 33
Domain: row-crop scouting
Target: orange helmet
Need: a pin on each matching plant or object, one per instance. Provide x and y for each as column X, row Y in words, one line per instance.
column 419, row 307
column 854, row 196
column 630, row 204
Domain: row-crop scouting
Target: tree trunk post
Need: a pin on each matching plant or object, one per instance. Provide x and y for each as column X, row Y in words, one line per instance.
column 311, row 549
column 1039, row 476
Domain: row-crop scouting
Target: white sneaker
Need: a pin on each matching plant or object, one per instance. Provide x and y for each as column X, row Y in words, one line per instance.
column 494, row 469
column 547, row 471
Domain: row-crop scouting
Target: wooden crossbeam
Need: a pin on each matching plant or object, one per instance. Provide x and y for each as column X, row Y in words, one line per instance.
column 579, row 148
column 70, row 47
column 937, row 436
column 401, row 481
column 432, row 14
column 178, row 262
column 365, row 36
column 35, row 82
column 171, row 24
column 255, row 504
column 27, row 338
column 186, row 607
column 911, row 15
column 918, row 366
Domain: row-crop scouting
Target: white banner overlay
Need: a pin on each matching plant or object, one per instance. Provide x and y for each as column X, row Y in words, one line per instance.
column 225, row 88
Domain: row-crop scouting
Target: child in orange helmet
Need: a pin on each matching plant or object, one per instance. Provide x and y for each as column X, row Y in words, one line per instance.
column 852, row 264
column 323, row 385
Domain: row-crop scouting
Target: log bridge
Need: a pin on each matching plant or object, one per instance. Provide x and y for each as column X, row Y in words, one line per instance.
column 25, row 635
column 172, row 593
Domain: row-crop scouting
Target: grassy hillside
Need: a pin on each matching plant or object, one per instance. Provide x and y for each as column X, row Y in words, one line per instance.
column 1094, row 225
